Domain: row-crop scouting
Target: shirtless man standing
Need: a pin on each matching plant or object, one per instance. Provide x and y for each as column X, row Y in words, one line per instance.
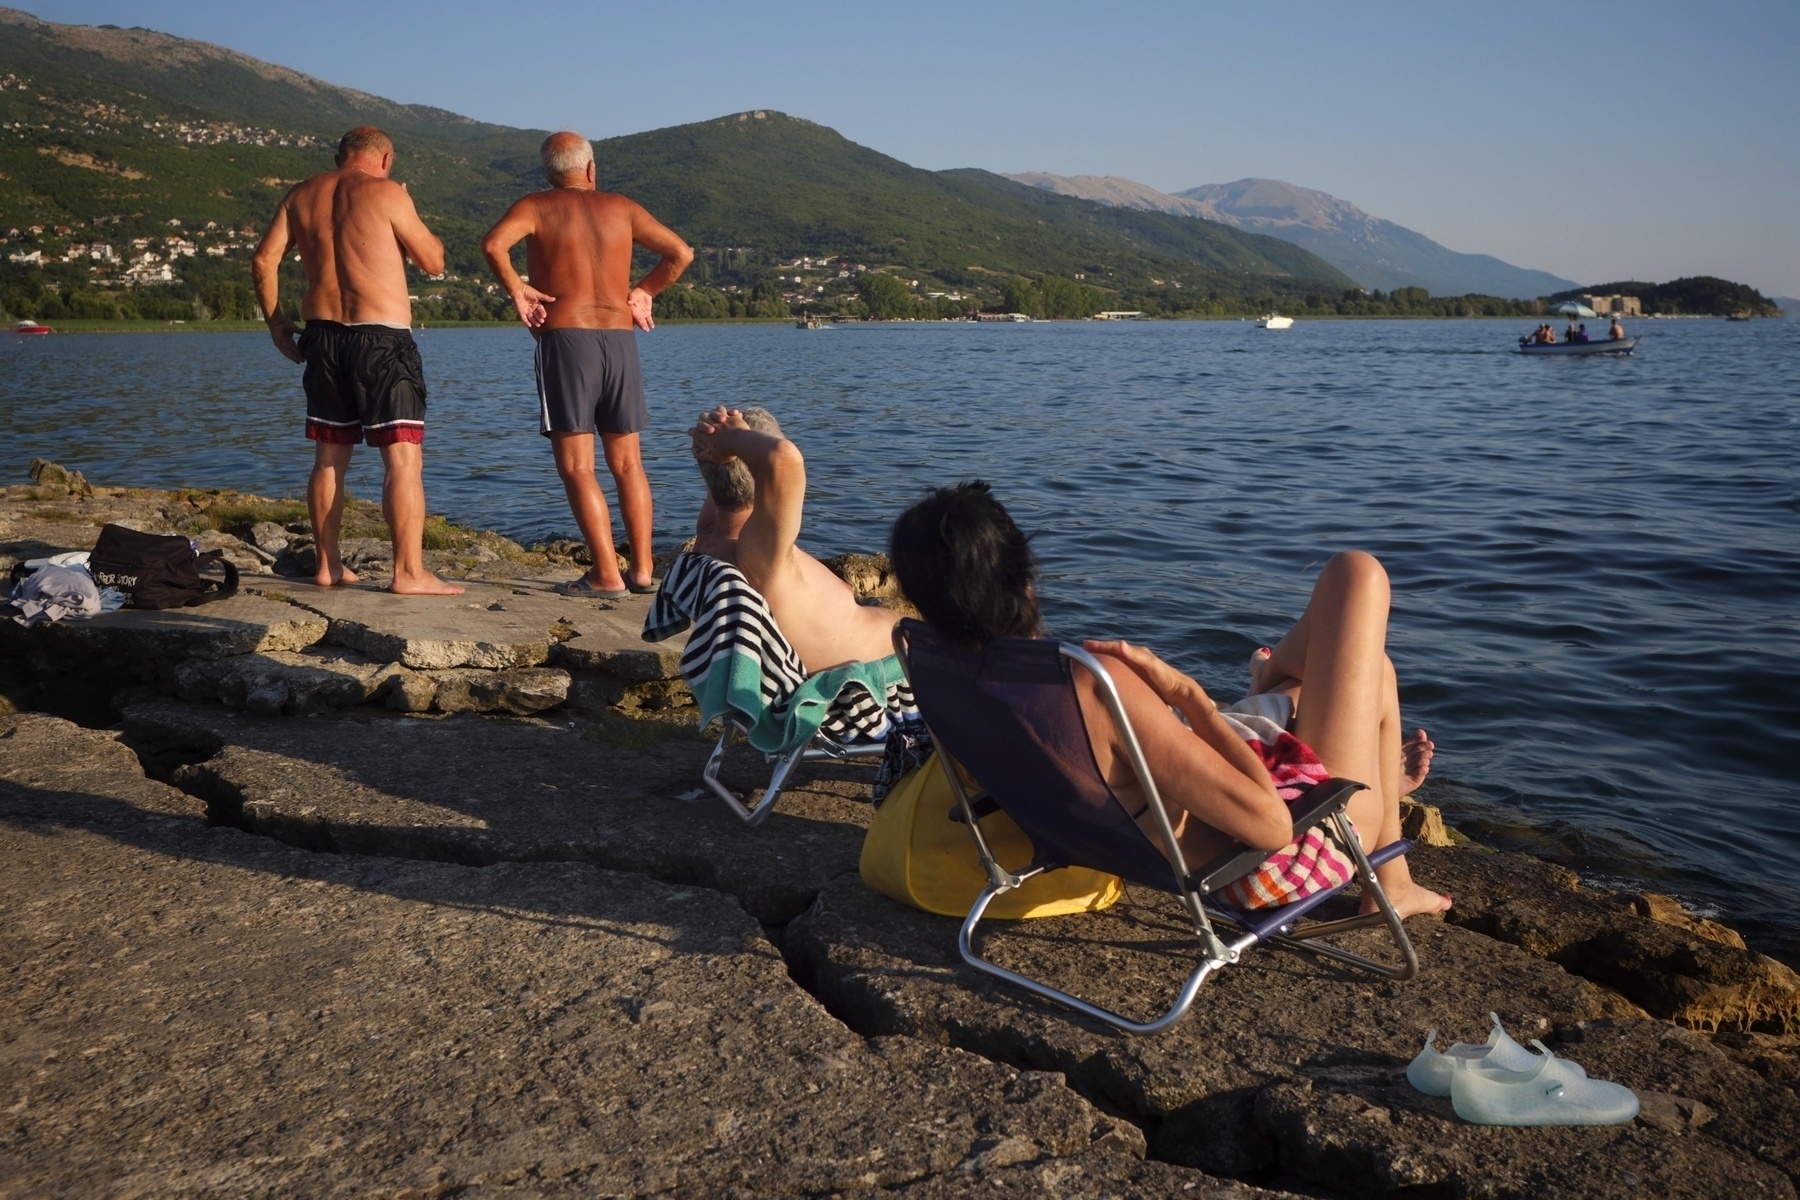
column 756, row 487
column 354, row 229
column 581, row 307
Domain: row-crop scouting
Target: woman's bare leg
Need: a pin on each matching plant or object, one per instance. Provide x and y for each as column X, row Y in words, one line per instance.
column 1337, row 651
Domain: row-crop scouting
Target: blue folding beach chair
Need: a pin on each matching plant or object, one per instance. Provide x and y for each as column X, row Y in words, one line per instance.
column 1010, row 715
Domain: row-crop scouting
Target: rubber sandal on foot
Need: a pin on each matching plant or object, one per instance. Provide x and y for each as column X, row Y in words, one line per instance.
column 582, row 589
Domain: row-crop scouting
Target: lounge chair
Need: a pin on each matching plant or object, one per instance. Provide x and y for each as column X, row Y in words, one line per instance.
column 746, row 676
column 1010, row 715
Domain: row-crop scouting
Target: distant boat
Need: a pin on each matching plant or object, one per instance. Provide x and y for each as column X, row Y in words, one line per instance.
column 30, row 327
column 809, row 323
column 1620, row 346
column 1271, row 321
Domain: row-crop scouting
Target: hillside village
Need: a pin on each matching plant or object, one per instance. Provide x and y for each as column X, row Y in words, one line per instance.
column 115, row 208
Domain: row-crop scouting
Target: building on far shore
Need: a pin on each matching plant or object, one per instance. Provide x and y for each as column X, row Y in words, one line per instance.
column 1624, row 306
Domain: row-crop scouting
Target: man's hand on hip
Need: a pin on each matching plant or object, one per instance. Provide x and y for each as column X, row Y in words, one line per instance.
column 287, row 337
column 530, row 302
column 639, row 302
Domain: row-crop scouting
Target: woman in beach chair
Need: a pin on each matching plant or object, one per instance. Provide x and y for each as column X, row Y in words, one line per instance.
column 1322, row 703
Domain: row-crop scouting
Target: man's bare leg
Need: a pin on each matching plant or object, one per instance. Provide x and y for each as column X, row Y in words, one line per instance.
column 575, row 464
column 635, row 503
column 1351, row 714
column 325, row 505
column 403, row 504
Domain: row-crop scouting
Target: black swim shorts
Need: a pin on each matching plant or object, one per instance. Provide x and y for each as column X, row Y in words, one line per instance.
column 589, row 382
column 363, row 382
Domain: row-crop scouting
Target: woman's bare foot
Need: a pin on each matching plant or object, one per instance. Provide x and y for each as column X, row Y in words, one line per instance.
column 1261, row 677
column 422, row 584
column 1409, row 899
column 342, row 577
column 1415, row 760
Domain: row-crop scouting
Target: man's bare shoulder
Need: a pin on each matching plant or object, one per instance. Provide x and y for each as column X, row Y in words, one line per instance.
column 615, row 202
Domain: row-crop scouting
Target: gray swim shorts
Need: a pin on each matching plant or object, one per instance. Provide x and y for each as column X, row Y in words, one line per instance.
column 589, row 382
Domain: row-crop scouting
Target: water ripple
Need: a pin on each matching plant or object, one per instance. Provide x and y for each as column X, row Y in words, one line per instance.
column 1596, row 563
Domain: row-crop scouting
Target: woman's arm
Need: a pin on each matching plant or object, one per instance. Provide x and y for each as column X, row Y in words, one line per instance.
column 1203, row 768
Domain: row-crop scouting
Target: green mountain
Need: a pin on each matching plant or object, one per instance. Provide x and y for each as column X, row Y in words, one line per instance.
column 1698, row 295
column 110, row 134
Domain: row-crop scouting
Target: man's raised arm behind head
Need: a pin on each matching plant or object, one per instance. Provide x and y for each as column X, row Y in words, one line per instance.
column 766, row 544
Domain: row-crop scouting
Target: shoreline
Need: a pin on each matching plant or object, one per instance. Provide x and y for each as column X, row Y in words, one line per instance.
column 84, row 326
column 415, row 766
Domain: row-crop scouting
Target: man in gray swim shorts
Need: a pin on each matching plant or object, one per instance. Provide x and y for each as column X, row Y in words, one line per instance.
column 589, row 382
column 583, row 310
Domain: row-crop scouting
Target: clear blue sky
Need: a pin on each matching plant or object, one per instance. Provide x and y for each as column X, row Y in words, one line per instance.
column 1598, row 141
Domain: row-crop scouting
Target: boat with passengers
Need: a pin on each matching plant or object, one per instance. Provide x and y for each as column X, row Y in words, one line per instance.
column 1614, row 346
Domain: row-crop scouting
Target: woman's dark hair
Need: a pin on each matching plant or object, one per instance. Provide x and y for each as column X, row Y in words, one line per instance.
column 967, row 567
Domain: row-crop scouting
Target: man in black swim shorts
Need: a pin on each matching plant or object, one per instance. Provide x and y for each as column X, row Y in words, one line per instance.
column 582, row 308
column 363, row 383
column 354, row 229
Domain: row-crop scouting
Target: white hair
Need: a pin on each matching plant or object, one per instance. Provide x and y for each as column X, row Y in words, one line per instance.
column 566, row 157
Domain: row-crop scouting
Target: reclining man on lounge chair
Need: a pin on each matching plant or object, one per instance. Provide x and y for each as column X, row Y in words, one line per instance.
column 756, row 487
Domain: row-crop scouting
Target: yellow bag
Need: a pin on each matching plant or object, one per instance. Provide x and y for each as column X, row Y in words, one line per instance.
column 917, row 855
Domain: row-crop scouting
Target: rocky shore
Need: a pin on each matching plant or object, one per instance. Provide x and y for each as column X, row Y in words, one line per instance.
column 313, row 892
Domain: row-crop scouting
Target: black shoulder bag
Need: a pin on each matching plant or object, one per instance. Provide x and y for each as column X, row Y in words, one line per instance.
column 156, row 570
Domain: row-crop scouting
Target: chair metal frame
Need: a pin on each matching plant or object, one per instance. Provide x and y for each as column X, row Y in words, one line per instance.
column 819, row 748
column 1280, row 926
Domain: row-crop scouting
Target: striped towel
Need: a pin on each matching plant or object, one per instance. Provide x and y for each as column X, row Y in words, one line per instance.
column 1312, row 862
column 739, row 665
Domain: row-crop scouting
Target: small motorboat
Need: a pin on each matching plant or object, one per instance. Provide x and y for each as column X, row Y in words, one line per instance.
column 809, row 323
column 1271, row 321
column 1615, row 346
column 30, row 327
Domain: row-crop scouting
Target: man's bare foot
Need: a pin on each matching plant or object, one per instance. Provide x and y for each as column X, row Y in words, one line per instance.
column 1409, row 900
column 422, row 584
column 342, row 577
column 1415, row 760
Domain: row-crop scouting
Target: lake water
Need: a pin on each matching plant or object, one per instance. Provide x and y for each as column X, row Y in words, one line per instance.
column 1596, row 562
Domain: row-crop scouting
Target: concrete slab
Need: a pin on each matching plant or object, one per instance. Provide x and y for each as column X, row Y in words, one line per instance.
column 138, row 643
column 47, row 757
column 319, row 678
column 197, row 1010
column 475, row 790
column 1288, row 1065
column 495, row 626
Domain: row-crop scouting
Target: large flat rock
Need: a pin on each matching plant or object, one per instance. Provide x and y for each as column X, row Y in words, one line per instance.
column 141, row 643
column 1289, row 1065
column 51, row 759
column 495, row 626
column 475, row 790
column 196, row 1010
column 1646, row 947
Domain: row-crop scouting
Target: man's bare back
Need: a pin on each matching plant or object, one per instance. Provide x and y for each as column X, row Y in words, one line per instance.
column 578, row 243
column 354, row 229
column 816, row 610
